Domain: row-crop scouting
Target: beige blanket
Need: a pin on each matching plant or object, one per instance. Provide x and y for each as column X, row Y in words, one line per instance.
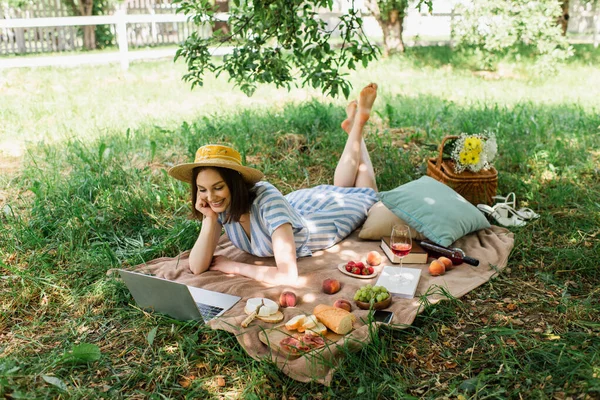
column 491, row 246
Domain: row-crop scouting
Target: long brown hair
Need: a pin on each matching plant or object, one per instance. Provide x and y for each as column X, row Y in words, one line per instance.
column 242, row 193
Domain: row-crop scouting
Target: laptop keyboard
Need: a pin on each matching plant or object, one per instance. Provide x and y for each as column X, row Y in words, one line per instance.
column 208, row 312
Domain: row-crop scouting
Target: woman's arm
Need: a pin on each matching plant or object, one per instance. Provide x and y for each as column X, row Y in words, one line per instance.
column 284, row 249
column 204, row 248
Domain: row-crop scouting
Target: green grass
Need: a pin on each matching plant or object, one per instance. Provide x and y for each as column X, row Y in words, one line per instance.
column 85, row 190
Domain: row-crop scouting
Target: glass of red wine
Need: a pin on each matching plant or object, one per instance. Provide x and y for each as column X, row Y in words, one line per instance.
column 401, row 243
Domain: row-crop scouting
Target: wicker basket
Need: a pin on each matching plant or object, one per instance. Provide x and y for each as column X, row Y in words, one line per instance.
column 476, row 187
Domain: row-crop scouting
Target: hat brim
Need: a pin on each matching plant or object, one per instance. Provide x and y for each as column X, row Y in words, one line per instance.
column 183, row 172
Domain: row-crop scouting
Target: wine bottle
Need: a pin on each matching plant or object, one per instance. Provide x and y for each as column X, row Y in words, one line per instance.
column 455, row 254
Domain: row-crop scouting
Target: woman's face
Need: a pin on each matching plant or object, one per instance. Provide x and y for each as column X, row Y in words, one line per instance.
column 212, row 190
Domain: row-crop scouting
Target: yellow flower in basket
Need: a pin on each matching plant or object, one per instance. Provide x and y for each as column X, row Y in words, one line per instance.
column 474, row 152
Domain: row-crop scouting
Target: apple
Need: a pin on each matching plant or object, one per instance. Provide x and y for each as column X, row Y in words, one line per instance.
column 287, row 299
column 331, row 286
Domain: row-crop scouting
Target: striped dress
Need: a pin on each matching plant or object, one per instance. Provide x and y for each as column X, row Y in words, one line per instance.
column 320, row 217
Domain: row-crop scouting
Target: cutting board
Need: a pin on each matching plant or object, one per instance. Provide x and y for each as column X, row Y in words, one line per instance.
column 272, row 337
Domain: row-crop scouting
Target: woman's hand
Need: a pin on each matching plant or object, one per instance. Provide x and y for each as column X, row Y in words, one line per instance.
column 204, row 208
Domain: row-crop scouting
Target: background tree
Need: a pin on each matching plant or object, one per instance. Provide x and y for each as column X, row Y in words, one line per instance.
column 499, row 27
column 84, row 8
column 390, row 16
column 87, row 8
column 563, row 19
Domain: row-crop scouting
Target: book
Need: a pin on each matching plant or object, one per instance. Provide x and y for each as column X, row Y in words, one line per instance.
column 400, row 281
column 417, row 254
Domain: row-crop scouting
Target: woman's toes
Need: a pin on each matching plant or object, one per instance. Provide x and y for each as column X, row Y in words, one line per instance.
column 366, row 100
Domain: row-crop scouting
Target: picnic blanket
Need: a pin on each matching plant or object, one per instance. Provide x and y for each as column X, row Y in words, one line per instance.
column 491, row 246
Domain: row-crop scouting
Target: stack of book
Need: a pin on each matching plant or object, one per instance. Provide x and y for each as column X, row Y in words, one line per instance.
column 416, row 256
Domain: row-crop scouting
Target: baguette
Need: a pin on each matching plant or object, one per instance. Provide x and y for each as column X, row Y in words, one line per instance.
column 338, row 320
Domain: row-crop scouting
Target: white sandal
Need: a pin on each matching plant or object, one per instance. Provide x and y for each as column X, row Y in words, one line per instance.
column 511, row 201
column 503, row 214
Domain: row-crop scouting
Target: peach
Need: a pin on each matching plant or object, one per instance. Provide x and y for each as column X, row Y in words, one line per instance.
column 331, row 286
column 287, row 299
column 373, row 258
column 436, row 268
column 343, row 304
column 447, row 263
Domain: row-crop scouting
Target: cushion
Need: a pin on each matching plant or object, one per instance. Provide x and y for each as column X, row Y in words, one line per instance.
column 435, row 210
column 379, row 223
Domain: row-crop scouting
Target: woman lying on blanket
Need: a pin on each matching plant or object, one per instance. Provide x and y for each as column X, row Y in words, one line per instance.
column 261, row 221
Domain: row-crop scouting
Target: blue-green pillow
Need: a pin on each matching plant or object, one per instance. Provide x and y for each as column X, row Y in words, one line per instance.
column 435, row 210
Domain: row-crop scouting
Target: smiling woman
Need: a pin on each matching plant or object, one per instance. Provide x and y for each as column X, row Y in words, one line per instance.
column 260, row 220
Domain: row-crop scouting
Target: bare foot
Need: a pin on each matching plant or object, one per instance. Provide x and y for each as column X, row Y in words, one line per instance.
column 365, row 102
column 350, row 113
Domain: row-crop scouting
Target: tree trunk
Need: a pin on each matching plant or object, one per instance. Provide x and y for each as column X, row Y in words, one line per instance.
column 391, row 25
column 563, row 20
column 84, row 8
column 89, row 37
column 222, row 6
column 392, row 32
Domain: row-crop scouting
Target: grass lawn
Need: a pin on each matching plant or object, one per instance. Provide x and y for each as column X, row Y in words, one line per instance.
column 83, row 189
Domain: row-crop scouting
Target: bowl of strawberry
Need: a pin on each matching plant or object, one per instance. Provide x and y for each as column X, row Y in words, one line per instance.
column 357, row 269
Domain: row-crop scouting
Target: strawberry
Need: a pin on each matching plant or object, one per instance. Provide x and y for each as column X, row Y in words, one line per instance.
column 360, row 265
column 351, row 263
column 356, row 270
column 365, row 271
column 371, row 270
column 348, row 267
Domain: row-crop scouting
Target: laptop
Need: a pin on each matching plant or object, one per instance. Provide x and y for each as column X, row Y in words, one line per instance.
column 175, row 299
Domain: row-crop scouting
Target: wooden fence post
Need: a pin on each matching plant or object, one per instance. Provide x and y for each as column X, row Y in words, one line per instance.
column 122, row 43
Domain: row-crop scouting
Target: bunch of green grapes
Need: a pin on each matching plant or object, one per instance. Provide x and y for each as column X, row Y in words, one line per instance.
column 368, row 293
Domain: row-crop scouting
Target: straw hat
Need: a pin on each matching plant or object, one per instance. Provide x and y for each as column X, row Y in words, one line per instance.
column 215, row 155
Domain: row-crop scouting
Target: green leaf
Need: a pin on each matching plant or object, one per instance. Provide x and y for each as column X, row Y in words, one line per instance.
column 151, row 335
column 152, row 150
column 55, row 381
column 83, row 353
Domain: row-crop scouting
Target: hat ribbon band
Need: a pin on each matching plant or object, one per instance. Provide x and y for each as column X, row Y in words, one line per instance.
column 219, row 157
